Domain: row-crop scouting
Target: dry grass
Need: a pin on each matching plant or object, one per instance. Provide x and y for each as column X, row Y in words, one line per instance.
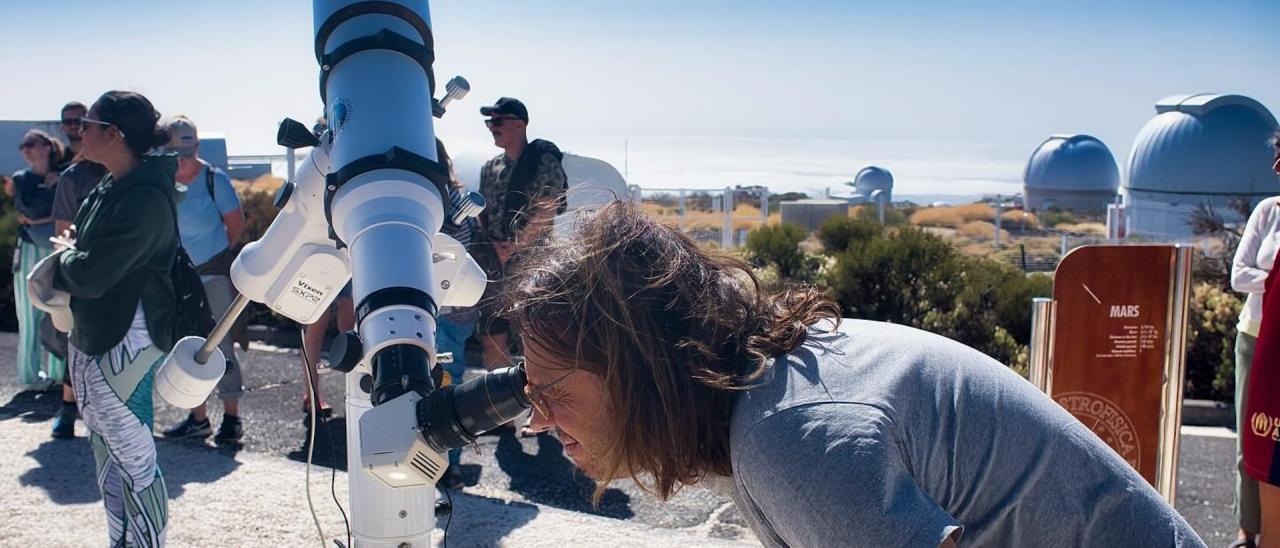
column 265, row 183
column 744, row 216
column 952, row 216
column 1091, row 229
column 981, row 230
column 957, row 216
column 977, row 249
column 1019, row 216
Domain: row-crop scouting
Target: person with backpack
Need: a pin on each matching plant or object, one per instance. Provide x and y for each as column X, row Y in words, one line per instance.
column 117, row 266
column 210, row 221
column 524, row 189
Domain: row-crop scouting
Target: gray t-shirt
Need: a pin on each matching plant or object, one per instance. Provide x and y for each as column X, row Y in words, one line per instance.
column 74, row 186
column 882, row 435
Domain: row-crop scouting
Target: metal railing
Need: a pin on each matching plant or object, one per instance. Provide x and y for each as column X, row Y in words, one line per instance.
column 720, row 215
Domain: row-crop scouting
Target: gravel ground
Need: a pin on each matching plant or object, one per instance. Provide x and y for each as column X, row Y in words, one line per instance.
column 51, row 502
column 519, row 492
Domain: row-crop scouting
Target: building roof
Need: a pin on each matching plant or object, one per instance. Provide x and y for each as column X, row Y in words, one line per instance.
column 1205, row 144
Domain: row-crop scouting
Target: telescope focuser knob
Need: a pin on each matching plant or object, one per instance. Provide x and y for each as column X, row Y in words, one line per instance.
column 345, row 352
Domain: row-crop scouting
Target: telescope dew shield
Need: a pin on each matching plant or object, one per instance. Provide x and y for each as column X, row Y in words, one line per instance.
column 457, row 415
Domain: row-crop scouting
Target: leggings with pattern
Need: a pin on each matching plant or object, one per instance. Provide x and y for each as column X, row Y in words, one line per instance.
column 114, row 394
column 36, row 365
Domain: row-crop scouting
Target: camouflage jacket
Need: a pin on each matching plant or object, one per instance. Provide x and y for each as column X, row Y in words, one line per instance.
column 500, row 222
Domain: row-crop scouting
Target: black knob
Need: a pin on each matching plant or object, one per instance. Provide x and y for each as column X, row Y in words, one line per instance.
column 292, row 134
column 283, row 195
column 345, row 352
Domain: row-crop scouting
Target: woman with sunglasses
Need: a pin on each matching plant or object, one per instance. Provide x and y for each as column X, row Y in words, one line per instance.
column 123, row 305
column 33, row 191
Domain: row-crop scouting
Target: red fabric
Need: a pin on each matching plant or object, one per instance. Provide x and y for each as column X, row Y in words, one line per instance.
column 1261, row 430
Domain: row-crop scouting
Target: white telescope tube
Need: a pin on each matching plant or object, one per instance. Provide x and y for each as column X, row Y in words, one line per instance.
column 375, row 62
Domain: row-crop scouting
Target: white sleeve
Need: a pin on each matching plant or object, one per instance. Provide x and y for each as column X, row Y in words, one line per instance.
column 1246, row 275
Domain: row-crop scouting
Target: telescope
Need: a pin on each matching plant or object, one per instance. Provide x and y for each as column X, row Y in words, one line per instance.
column 366, row 205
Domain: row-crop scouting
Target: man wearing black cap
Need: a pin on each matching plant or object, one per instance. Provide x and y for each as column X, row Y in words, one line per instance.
column 524, row 188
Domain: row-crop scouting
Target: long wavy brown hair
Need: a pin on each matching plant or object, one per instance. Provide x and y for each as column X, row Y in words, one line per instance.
column 674, row 330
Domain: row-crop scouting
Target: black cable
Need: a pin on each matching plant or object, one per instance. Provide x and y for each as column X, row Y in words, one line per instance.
column 324, row 421
column 444, row 535
column 333, row 474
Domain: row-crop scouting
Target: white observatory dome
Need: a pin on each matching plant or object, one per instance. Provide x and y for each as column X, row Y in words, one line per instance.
column 1071, row 172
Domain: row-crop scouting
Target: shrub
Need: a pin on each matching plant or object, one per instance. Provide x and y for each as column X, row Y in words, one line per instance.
column 837, row 233
column 259, row 211
column 779, row 246
column 898, row 277
column 980, row 229
column 991, row 310
column 1090, row 229
column 8, row 240
column 1052, row 218
column 871, row 213
column 1018, row 218
column 911, row 277
column 952, row 216
column 1211, row 340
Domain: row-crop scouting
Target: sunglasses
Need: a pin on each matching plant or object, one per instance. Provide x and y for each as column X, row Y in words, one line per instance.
column 31, row 144
column 497, row 121
column 88, row 120
column 71, row 122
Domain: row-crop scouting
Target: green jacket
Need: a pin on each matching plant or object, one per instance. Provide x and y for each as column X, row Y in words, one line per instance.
column 125, row 247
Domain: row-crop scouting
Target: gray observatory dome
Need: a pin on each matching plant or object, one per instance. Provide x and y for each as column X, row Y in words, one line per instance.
column 1071, row 172
column 873, row 178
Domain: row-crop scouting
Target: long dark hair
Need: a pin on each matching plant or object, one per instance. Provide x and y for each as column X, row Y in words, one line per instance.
column 673, row 329
column 57, row 150
column 442, row 156
column 134, row 116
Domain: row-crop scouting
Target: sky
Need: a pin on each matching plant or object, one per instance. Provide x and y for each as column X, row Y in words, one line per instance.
column 635, row 82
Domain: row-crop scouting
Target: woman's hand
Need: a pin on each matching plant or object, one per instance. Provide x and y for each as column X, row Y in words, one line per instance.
column 66, row 240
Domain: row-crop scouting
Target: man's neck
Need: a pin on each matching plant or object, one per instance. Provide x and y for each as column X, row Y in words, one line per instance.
column 513, row 152
column 74, row 146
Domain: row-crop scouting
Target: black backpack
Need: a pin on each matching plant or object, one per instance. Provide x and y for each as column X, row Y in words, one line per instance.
column 192, row 315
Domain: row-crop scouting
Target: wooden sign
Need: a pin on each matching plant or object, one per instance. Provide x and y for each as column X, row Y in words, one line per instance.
column 1116, row 340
